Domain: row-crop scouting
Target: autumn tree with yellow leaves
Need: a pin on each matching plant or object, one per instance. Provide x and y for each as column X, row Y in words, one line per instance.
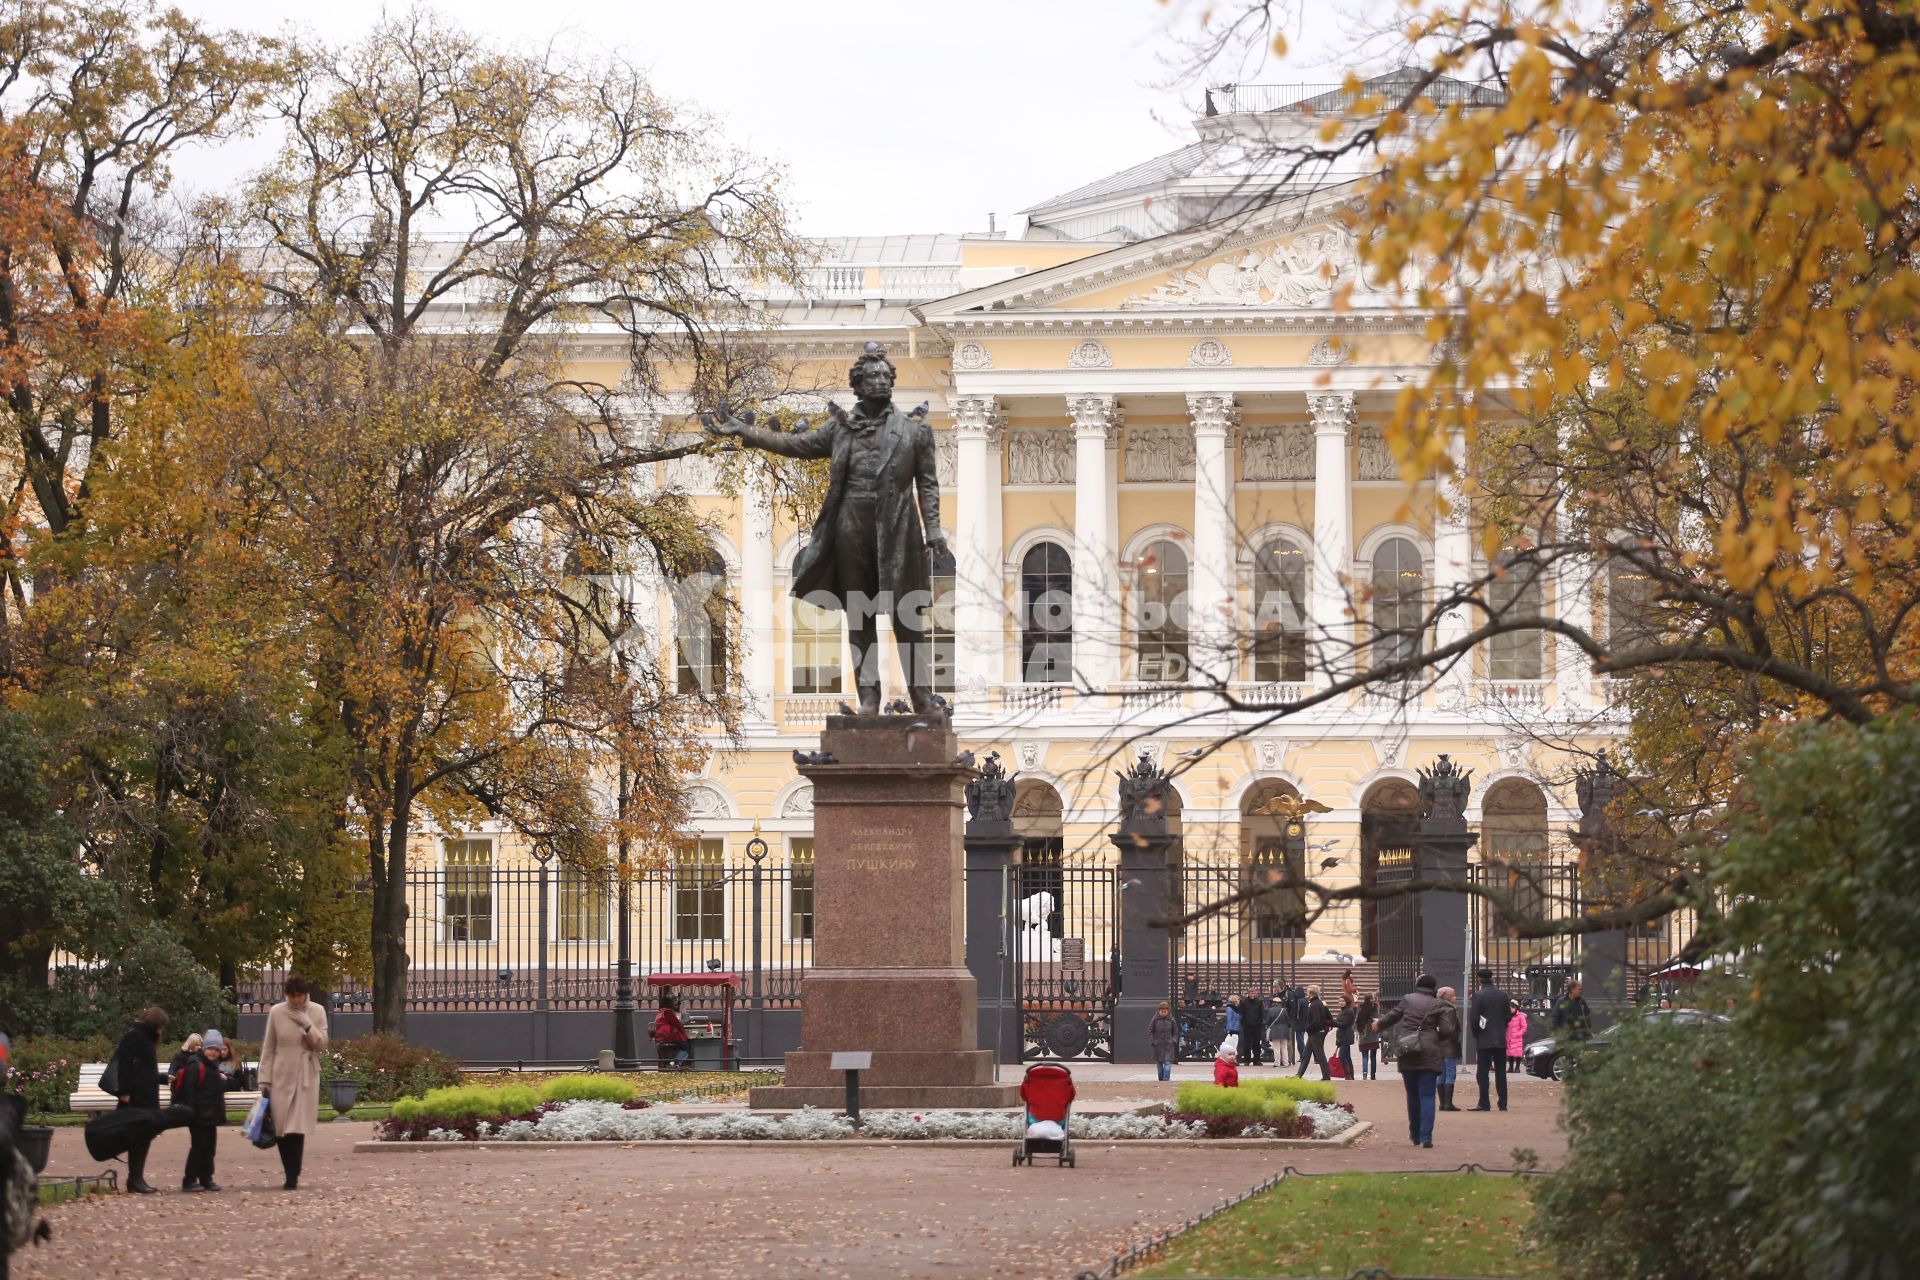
column 459, row 487
column 1668, row 250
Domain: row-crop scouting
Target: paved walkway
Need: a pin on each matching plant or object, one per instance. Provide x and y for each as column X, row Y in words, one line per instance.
column 722, row 1212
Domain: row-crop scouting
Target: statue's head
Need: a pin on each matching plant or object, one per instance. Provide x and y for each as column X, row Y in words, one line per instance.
column 873, row 375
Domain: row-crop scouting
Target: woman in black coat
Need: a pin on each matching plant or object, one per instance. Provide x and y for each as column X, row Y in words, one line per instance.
column 136, row 1066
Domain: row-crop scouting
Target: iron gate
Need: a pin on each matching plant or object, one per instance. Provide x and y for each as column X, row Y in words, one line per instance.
column 1252, row 947
column 1066, row 958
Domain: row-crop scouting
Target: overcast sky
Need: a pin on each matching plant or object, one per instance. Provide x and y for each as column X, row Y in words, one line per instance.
column 889, row 115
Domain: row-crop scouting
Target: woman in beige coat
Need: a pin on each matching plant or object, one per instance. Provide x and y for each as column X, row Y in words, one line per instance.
column 290, row 1052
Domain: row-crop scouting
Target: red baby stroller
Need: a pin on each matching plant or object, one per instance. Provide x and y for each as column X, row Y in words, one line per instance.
column 1048, row 1094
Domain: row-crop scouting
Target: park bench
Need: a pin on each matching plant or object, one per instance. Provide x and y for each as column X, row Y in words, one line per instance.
column 91, row 1097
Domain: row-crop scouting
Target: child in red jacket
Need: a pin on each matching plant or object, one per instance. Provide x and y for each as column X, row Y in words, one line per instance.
column 1225, row 1073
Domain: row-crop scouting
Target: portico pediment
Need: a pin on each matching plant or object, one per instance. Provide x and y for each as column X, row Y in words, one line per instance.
column 1289, row 258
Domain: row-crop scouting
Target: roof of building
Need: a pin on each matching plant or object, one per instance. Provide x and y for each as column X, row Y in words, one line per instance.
column 882, row 250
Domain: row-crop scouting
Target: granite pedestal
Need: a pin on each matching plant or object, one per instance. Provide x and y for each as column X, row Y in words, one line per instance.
column 889, row 971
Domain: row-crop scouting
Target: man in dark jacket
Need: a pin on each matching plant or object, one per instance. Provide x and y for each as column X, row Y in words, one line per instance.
column 136, row 1068
column 1318, row 1020
column 1280, row 1043
column 1492, row 1010
column 1436, row 1024
column 200, row 1089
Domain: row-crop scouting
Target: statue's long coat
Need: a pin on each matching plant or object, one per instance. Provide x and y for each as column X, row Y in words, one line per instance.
column 907, row 471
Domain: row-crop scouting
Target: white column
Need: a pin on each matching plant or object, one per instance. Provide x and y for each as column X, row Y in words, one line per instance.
column 756, row 598
column 1452, row 562
column 1211, row 629
column 1328, row 595
column 1096, row 591
column 976, row 555
column 646, row 641
column 1573, row 579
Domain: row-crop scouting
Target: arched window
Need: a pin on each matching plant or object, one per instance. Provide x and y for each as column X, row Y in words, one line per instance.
column 700, row 626
column 1160, row 612
column 815, row 649
column 1513, row 836
column 1515, row 655
column 1037, row 820
column 939, row 621
column 1280, row 613
column 1046, row 615
column 1399, row 600
column 1269, row 851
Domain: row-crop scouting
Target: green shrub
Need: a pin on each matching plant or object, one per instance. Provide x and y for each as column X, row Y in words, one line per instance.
column 1659, row 1130
column 466, row 1101
column 1292, row 1087
column 387, row 1067
column 1259, row 1098
column 588, row 1088
column 143, row 964
column 1196, row 1098
column 1825, row 868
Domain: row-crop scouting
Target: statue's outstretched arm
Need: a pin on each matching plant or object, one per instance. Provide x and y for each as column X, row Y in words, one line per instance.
column 799, row 443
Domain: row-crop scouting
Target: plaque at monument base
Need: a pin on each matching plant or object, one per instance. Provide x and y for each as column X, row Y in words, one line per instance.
column 889, row 970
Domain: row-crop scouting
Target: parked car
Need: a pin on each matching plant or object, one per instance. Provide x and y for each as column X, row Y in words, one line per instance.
column 1544, row 1058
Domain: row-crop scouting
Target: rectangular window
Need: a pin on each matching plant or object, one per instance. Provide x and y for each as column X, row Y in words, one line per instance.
column 816, row 649
column 466, row 914
column 700, row 891
column 800, row 888
column 582, row 900
column 1515, row 655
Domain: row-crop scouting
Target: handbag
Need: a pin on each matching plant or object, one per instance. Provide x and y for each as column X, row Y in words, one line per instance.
column 259, row 1126
column 110, row 1078
column 1406, row 1037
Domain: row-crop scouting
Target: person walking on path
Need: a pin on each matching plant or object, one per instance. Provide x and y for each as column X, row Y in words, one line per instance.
column 1431, row 1025
column 1280, row 1027
column 135, row 1070
column 1492, row 1010
column 1319, row 1021
column 1450, row 1065
column 1298, row 1001
column 1232, row 1036
column 1343, row 1028
column 1367, row 1036
column 1163, row 1033
column 1253, row 1026
column 1571, row 1016
column 1516, row 1037
column 290, row 1050
column 200, row 1086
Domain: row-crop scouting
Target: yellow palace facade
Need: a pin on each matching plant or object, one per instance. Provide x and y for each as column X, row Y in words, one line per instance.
column 1160, row 453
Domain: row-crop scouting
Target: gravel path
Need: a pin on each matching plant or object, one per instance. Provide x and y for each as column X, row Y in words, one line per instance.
column 681, row 1212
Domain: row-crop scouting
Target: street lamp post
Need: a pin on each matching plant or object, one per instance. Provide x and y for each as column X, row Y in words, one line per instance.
column 757, row 854
column 626, row 1044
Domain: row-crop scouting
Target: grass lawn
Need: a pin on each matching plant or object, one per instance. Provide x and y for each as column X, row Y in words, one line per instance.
column 1420, row 1224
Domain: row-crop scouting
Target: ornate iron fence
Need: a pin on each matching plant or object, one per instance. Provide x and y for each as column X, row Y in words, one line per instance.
column 547, row 937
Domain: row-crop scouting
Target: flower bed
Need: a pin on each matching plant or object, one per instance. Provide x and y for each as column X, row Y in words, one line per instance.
column 635, row 1121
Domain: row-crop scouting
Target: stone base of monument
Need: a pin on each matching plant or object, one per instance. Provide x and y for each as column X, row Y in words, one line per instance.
column 889, row 973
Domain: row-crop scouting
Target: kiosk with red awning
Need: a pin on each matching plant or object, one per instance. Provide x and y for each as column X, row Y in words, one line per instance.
column 727, row 982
